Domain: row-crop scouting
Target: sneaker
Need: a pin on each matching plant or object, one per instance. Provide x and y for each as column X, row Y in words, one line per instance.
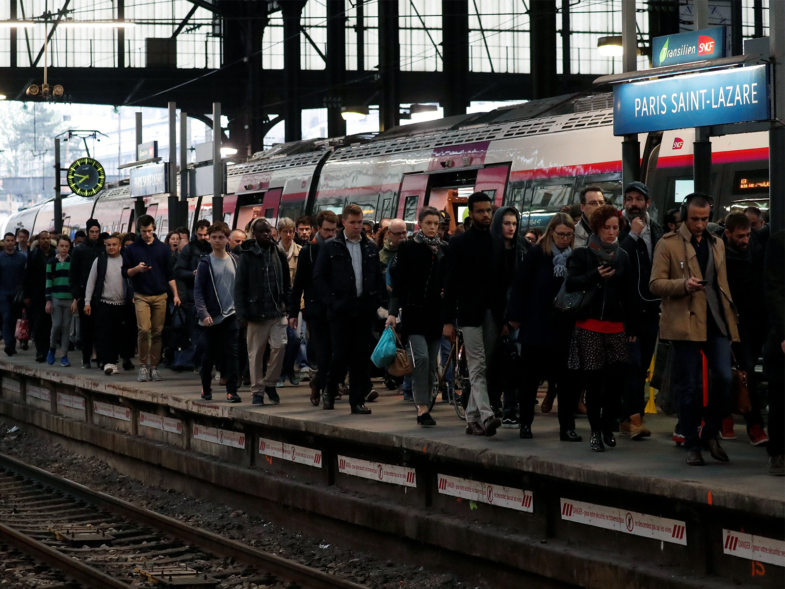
column 206, row 396
column 155, row 375
column 50, row 357
column 128, row 365
column 511, row 423
column 110, row 369
column 86, row 365
column 636, row 428
column 757, row 436
column 777, row 465
column 258, row 400
column 233, row 398
column 65, row 362
column 371, row 396
column 726, row 431
column 305, row 373
column 425, row 420
column 678, row 438
column 144, row 375
column 272, row 394
column 281, row 383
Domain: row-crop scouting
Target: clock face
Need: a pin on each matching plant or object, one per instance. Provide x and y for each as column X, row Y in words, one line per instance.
column 86, row 177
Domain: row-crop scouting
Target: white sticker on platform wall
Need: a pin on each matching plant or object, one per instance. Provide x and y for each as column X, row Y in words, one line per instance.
column 113, row 411
column 167, row 424
column 72, row 401
column 224, row 437
column 384, row 473
column 626, row 522
column 752, row 547
column 39, row 392
column 12, row 384
column 508, row 497
column 290, row 452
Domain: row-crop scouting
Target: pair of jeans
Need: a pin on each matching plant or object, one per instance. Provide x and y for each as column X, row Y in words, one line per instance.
column 61, row 324
column 479, row 343
column 351, row 351
column 221, row 342
column 641, row 352
column 446, row 346
column 688, row 380
column 541, row 362
column 108, row 344
column 41, row 329
column 150, row 319
column 290, row 354
column 260, row 334
column 9, row 320
column 87, row 332
column 603, row 395
column 321, row 350
column 424, row 354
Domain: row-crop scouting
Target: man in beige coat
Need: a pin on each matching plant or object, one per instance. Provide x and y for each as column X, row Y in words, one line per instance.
column 698, row 315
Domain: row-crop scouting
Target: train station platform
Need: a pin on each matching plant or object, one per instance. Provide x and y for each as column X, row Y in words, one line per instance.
column 634, row 516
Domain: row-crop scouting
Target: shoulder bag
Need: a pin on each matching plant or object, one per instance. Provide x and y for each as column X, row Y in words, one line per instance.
column 401, row 366
column 572, row 302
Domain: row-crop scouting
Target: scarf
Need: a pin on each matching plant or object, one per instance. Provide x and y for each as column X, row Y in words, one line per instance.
column 319, row 239
column 560, row 261
column 290, row 253
column 606, row 252
column 389, row 246
column 434, row 242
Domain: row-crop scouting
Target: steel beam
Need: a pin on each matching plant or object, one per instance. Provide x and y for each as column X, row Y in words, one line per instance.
column 336, row 65
column 542, row 16
column 777, row 132
column 291, row 11
column 455, row 25
column 218, row 199
column 389, row 65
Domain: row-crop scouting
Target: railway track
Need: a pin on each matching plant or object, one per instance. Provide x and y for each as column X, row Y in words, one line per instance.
column 100, row 541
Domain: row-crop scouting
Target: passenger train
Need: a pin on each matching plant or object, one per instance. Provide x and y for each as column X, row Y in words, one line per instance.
column 536, row 157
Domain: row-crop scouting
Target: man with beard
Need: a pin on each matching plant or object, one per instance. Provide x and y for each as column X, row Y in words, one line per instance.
column 638, row 239
column 744, row 258
column 35, row 294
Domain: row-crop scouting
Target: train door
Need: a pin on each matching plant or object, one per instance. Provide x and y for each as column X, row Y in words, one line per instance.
column 272, row 200
column 125, row 220
column 491, row 181
column 412, row 198
column 230, row 204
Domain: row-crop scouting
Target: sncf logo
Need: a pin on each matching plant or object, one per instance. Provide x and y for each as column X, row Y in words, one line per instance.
column 731, row 542
column 566, row 510
column 678, row 532
column 442, row 484
column 678, row 143
column 705, row 45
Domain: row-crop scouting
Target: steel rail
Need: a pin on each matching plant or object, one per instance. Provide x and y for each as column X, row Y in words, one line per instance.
column 71, row 567
column 207, row 541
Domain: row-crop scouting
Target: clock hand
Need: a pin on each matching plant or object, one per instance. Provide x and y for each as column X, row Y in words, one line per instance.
column 83, row 177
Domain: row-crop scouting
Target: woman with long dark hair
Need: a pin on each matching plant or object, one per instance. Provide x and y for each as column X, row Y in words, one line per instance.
column 604, row 324
column 544, row 331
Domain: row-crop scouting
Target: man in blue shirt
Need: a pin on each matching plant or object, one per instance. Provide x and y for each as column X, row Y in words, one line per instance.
column 12, row 274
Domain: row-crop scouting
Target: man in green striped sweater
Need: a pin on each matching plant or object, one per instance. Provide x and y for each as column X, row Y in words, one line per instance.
column 59, row 302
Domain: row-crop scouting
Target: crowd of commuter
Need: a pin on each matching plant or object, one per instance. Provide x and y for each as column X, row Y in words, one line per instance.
column 580, row 303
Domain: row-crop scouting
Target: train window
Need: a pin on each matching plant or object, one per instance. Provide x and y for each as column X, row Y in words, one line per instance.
column 678, row 188
column 228, row 219
column 369, row 206
column 291, row 210
column 410, row 209
column 612, row 190
column 514, row 197
column 387, row 208
column 269, row 214
column 551, row 195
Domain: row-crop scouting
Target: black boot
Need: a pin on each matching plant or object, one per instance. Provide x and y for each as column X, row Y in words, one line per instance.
column 608, row 438
column 526, row 432
column 596, row 442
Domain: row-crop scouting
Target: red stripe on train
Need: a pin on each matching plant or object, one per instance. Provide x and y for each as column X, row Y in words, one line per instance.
column 720, row 157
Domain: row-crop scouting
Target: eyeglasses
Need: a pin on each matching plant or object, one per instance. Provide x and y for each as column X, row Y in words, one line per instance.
column 563, row 235
column 595, row 203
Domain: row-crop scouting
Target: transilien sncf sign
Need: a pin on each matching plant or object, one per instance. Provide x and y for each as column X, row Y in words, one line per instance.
column 688, row 47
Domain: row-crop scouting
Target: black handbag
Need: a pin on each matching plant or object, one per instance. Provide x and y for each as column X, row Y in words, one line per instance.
column 572, row 302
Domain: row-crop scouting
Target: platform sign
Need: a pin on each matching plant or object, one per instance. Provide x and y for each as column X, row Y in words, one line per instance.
column 497, row 495
column 376, row 471
column 224, row 437
column 149, row 180
column 113, row 411
column 166, row 424
column 626, row 522
column 688, row 47
column 40, row 393
column 755, row 548
column 290, row 452
column 696, row 100
column 147, row 151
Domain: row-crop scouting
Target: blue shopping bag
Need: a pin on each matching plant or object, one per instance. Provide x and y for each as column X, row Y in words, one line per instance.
column 384, row 354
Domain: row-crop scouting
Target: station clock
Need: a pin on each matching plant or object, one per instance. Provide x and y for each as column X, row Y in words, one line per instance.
column 86, row 177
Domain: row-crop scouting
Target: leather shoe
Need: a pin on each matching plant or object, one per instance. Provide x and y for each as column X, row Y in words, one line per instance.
column 569, row 436
column 361, row 410
column 694, row 458
column 328, row 403
column 491, row 425
column 609, row 439
column 526, row 432
column 595, row 441
column 716, row 451
column 315, row 396
column 473, row 429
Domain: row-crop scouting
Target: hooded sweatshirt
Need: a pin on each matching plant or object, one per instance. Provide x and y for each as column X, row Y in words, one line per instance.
column 511, row 257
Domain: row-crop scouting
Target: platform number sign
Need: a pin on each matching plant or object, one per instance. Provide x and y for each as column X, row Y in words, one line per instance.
column 86, row 177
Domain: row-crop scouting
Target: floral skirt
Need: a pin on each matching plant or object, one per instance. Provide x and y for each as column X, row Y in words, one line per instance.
column 590, row 350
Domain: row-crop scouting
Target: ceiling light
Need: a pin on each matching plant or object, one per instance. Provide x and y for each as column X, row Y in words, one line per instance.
column 228, row 151
column 354, row 113
column 32, row 90
column 3, row 96
column 107, row 24
column 16, row 24
column 58, row 92
column 610, row 46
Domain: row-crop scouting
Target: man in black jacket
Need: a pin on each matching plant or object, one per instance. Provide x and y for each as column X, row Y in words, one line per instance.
column 744, row 258
column 185, row 272
column 314, row 311
column 35, row 295
column 261, row 291
column 82, row 260
column 348, row 278
column 638, row 239
column 475, row 303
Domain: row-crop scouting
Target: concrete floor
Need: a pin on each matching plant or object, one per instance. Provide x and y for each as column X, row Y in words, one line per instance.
column 652, row 465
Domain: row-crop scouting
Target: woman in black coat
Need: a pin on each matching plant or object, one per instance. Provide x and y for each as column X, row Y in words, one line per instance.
column 544, row 332
column 605, row 324
column 417, row 292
